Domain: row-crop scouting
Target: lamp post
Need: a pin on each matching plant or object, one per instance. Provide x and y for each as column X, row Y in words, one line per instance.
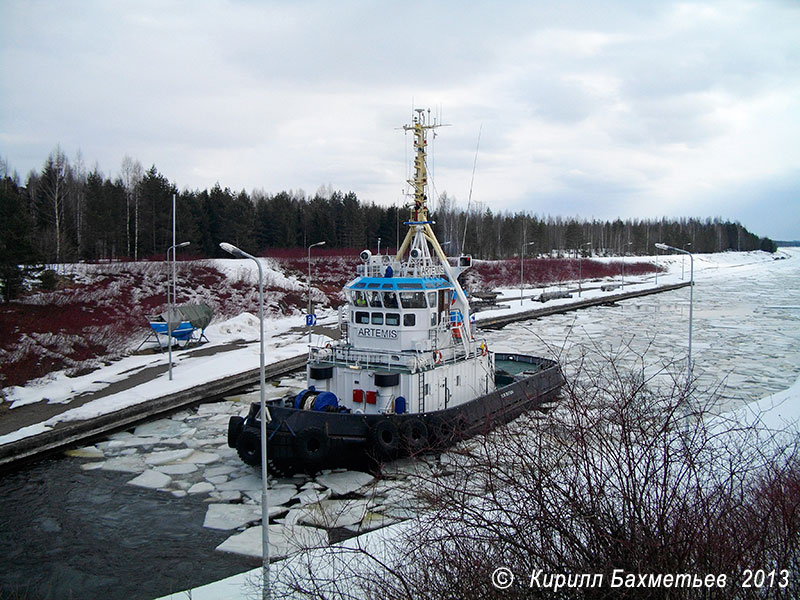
column 309, row 285
column 656, row 268
column 580, row 268
column 683, row 260
column 624, row 252
column 265, row 417
column 521, row 265
column 174, row 299
column 691, row 293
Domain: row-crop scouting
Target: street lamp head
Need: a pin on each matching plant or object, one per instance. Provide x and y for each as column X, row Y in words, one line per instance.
column 183, row 244
column 231, row 249
column 661, row 246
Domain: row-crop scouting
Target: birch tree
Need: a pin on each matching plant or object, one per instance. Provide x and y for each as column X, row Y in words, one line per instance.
column 53, row 187
column 132, row 174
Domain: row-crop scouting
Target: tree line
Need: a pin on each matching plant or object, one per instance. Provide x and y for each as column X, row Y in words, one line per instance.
column 66, row 213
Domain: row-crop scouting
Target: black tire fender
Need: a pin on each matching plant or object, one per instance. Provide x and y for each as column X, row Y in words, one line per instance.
column 441, row 431
column 281, row 467
column 312, row 445
column 447, row 429
column 235, row 427
column 385, row 438
column 415, row 434
column 248, row 446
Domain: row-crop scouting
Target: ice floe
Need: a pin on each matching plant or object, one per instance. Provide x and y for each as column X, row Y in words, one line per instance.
column 231, row 516
column 203, row 487
column 186, row 455
column 283, row 541
column 167, row 456
column 343, row 483
column 152, row 479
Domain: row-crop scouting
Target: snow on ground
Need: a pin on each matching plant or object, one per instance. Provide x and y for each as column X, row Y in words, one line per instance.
column 236, row 269
column 706, row 266
column 188, row 371
column 282, row 343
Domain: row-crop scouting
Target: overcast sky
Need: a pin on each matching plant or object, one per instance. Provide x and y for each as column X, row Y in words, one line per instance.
column 590, row 109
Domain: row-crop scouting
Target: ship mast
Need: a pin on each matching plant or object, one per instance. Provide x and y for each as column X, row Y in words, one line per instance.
column 420, row 181
column 420, row 230
column 419, row 224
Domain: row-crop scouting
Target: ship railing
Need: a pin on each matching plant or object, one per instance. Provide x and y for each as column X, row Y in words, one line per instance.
column 419, row 359
column 365, row 359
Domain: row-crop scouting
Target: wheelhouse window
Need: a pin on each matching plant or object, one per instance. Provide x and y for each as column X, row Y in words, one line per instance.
column 362, row 318
column 390, row 300
column 375, row 300
column 393, row 319
column 432, row 299
column 359, row 298
column 412, row 299
column 377, row 318
column 409, row 320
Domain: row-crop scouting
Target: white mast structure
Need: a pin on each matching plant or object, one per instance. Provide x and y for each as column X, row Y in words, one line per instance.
column 420, row 232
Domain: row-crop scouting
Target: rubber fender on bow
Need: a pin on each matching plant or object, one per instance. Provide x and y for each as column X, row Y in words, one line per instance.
column 320, row 373
column 385, row 438
column 312, row 445
column 249, row 448
column 235, row 427
column 415, row 434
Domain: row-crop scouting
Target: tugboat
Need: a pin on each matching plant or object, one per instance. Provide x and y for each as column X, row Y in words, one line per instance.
column 408, row 373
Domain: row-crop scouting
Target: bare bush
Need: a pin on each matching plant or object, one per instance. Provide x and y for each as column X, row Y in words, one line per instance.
column 629, row 478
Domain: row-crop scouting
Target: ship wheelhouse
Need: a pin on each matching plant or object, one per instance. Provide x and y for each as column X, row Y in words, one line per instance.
column 402, row 314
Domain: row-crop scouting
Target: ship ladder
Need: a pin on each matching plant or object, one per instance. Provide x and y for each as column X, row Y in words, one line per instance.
column 422, row 391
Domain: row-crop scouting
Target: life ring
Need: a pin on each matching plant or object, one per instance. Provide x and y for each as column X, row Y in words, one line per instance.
column 437, row 357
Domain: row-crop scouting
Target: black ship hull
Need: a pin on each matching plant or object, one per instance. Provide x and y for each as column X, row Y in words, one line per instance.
column 310, row 440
